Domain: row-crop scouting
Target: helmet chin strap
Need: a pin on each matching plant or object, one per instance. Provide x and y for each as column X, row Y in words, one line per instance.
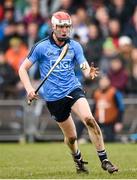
column 61, row 39
column 58, row 34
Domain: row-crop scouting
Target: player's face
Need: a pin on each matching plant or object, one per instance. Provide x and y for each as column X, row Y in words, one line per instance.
column 62, row 32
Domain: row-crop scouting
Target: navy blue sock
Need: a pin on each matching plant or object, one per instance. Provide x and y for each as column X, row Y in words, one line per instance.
column 77, row 155
column 102, row 155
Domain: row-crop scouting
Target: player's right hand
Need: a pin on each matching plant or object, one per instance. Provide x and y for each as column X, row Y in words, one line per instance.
column 32, row 95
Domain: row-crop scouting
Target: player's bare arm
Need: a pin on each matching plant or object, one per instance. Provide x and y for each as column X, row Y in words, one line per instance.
column 23, row 73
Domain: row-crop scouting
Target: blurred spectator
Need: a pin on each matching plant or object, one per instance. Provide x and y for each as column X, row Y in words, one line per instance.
column 32, row 34
column 120, row 9
column 1, row 12
column 29, row 4
column 125, row 49
column 109, row 50
column 132, row 82
column 9, row 32
column 71, row 6
column 114, row 28
column 92, row 6
column 93, row 53
column 108, row 109
column 21, row 31
column 82, row 15
column 20, row 8
column 32, row 38
column 7, row 27
column 117, row 74
column 93, row 50
column 8, row 4
column 66, row 5
column 9, row 14
column 44, row 30
column 102, row 18
column 34, row 15
column 80, row 25
column 16, row 53
column 131, row 28
column 8, row 79
column 47, row 7
column 9, row 11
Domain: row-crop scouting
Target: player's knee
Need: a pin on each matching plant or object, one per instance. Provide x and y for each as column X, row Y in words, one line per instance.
column 90, row 121
column 91, row 124
column 72, row 139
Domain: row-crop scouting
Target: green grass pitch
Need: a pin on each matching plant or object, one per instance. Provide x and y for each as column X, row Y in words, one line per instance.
column 53, row 161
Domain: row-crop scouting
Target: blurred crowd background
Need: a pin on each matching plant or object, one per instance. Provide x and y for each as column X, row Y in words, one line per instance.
column 107, row 31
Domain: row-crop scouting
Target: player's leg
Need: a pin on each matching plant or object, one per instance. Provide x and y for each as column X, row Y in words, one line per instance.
column 82, row 109
column 70, row 138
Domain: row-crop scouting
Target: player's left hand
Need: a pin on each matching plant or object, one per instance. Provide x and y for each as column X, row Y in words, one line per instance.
column 94, row 71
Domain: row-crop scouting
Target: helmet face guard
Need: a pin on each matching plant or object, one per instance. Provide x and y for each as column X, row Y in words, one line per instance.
column 61, row 19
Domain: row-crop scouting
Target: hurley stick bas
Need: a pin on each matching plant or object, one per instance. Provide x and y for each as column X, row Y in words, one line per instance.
column 61, row 56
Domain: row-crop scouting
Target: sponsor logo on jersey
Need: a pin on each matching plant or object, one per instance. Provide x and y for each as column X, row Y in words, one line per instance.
column 64, row 65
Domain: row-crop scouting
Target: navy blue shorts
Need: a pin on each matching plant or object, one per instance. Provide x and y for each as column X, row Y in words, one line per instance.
column 60, row 110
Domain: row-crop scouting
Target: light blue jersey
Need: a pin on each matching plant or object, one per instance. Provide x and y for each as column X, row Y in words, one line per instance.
column 62, row 80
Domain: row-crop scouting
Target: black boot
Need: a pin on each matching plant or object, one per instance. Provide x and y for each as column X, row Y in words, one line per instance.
column 108, row 166
column 80, row 164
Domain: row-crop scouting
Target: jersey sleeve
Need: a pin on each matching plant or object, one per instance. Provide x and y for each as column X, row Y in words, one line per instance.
column 79, row 54
column 34, row 54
